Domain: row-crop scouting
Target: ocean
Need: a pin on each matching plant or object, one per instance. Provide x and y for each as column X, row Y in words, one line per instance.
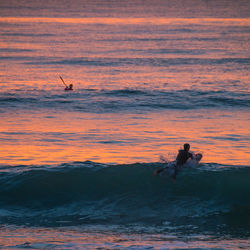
column 76, row 167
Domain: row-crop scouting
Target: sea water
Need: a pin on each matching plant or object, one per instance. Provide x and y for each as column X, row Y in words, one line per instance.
column 76, row 167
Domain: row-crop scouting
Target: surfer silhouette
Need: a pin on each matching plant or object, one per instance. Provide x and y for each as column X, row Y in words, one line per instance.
column 183, row 155
column 70, row 87
column 181, row 159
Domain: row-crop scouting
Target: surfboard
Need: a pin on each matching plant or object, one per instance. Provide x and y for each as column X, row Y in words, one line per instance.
column 193, row 162
column 169, row 169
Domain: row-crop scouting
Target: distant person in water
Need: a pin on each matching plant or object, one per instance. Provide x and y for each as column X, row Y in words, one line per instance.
column 181, row 159
column 70, row 87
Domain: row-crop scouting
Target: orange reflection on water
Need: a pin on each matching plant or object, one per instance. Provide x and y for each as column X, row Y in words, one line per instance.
column 47, row 238
column 131, row 20
column 121, row 138
column 62, row 137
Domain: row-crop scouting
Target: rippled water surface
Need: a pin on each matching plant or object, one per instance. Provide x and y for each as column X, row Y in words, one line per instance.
column 148, row 76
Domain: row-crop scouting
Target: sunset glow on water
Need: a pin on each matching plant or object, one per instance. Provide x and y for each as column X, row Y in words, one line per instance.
column 76, row 167
column 123, row 138
column 110, row 58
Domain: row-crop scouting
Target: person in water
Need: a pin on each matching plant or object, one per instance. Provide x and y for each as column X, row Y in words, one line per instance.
column 183, row 155
column 181, row 159
column 70, row 87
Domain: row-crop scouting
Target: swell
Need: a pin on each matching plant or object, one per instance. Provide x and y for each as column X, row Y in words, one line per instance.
column 92, row 181
column 124, row 62
column 211, row 196
column 102, row 101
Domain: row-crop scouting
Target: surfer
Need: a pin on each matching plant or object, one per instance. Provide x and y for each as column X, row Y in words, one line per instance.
column 181, row 159
column 70, row 87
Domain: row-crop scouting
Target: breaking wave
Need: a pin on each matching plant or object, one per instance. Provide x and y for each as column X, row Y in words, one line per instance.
column 213, row 197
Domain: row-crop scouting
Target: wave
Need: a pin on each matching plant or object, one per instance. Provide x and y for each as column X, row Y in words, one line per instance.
column 96, row 181
column 210, row 196
column 102, row 101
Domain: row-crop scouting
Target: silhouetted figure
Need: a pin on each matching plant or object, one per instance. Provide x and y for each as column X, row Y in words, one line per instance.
column 181, row 159
column 70, row 87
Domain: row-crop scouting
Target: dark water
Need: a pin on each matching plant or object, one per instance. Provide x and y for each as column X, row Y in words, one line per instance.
column 212, row 199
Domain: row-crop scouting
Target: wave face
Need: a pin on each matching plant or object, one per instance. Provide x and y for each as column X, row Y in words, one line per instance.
column 211, row 198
